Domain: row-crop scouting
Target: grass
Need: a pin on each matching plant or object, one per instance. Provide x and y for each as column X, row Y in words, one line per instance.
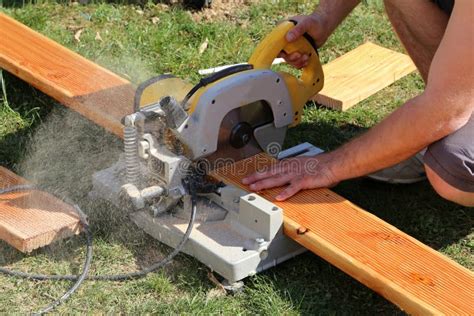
column 51, row 145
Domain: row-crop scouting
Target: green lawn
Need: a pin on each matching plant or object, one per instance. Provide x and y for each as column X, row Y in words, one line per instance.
column 55, row 147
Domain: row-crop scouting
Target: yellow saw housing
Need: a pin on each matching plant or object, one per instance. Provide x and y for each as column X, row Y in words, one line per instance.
column 301, row 89
column 312, row 77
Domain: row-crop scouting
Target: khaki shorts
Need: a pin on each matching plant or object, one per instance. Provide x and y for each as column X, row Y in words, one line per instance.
column 452, row 157
column 445, row 5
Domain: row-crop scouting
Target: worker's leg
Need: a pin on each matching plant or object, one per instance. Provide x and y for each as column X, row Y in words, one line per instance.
column 420, row 25
column 449, row 165
column 447, row 191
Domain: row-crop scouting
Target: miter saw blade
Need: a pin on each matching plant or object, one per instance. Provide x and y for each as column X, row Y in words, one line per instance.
column 236, row 139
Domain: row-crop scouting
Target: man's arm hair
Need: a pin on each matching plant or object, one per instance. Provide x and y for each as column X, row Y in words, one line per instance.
column 450, row 85
column 334, row 12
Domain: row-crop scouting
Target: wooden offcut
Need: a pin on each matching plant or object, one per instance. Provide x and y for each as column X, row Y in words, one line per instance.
column 91, row 90
column 32, row 219
column 412, row 275
column 361, row 73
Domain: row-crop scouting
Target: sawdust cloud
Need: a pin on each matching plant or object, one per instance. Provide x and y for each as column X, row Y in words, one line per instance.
column 65, row 150
column 132, row 68
column 63, row 153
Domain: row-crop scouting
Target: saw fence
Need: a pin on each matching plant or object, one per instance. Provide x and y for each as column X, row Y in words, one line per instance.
column 410, row 274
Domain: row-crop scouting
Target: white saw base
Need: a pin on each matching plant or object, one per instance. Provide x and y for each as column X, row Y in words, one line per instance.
column 220, row 245
column 218, row 240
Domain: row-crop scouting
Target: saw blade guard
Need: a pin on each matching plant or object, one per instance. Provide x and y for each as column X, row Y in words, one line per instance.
column 312, row 77
column 156, row 88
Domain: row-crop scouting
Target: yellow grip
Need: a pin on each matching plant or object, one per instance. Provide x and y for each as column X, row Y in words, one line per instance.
column 312, row 77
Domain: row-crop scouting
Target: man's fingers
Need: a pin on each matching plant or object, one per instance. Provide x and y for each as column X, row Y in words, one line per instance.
column 303, row 61
column 293, row 57
column 257, row 176
column 254, row 177
column 282, row 54
column 300, row 64
column 291, row 190
column 271, row 182
column 296, row 32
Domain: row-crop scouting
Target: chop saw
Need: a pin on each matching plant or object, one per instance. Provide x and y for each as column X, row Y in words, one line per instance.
column 178, row 132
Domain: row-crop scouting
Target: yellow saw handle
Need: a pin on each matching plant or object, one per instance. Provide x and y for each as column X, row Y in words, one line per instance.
column 312, row 77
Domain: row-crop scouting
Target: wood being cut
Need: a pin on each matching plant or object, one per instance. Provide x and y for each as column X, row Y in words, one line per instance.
column 412, row 275
column 361, row 73
column 33, row 219
column 93, row 91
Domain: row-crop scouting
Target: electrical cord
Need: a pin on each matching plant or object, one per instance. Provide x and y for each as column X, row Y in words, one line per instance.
column 84, row 275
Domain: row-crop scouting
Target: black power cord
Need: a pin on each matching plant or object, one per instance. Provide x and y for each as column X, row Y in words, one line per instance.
column 82, row 276
column 79, row 279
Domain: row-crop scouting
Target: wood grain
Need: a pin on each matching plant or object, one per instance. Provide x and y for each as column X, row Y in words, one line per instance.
column 412, row 275
column 361, row 73
column 93, row 91
column 33, row 219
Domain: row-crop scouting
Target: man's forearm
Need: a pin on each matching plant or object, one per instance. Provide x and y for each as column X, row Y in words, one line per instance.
column 445, row 106
column 334, row 12
column 401, row 135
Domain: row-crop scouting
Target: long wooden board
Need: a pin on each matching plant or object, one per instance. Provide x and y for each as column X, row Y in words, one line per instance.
column 33, row 219
column 361, row 73
column 93, row 91
column 412, row 275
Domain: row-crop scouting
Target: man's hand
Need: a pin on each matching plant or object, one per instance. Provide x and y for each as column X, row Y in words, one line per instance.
column 300, row 173
column 319, row 25
column 314, row 25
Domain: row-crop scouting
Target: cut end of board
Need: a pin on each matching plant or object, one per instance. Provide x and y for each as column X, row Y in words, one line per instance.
column 32, row 219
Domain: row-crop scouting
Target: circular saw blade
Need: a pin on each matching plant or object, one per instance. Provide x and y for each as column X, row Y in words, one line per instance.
column 255, row 114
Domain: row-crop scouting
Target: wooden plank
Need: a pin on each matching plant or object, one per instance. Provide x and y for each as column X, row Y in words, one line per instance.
column 412, row 275
column 33, row 219
column 361, row 73
column 93, row 91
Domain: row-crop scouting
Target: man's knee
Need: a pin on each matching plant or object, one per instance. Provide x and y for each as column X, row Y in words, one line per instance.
column 413, row 9
column 449, row 165
column 447, row 191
